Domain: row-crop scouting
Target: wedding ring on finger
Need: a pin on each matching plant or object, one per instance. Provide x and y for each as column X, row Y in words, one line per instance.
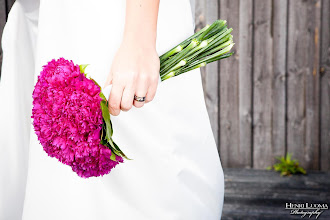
column 139, row 99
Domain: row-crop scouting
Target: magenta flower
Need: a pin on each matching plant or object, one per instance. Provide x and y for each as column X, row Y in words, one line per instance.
column 67, row 118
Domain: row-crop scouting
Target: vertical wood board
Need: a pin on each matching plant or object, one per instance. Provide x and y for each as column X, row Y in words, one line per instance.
column 228, row 92
column 303, row 82
column 206, row 12
column 262, row 90
column 245, row 53
column 325, row 87
column 279, row 29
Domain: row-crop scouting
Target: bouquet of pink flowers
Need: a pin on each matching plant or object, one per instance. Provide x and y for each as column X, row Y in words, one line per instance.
column 70, row 113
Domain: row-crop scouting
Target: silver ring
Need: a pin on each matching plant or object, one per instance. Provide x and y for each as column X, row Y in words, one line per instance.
column 139, row 99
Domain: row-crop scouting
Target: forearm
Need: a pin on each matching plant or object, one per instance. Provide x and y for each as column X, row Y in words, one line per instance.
column 141, row 21
column 138, row 77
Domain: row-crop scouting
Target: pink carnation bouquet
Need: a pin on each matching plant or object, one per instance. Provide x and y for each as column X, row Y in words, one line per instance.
column 71, row 119
column 70, row 113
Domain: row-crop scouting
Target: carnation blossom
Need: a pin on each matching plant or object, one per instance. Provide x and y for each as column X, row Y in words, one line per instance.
column 67, row 119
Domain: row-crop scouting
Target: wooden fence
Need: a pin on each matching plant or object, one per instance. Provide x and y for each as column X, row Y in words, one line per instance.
column 272, row 96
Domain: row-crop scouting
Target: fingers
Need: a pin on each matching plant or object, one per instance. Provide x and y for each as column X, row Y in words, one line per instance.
column 115, row 99
column 152, row 90
column 141, row 89
column 127, row 99
column 122, row 96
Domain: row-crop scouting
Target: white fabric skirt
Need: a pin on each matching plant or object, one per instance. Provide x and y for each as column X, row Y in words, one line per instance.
column 175, row 173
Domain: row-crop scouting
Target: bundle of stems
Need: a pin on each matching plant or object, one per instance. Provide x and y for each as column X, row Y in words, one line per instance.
column 210, row 44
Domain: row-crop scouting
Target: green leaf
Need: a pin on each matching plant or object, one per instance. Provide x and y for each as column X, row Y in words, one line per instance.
column 288, row 157
column 121, row 152
column 113, row 156
column 106, row 117
column 301, row 170
column 95, row 82
column 288, row 166
column 103, row 97
column 112, row 147
column 102, row 132
column 292, row 169
column 111, row 128
column 106, row 131
column 83, row 67
column 277, row 168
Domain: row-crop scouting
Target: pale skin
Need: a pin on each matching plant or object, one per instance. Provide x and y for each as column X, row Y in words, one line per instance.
column 135, row 67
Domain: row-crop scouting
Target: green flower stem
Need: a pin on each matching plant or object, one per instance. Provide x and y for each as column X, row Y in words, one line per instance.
column 183, row 43
column 190, row 59
column 203, row 44
column 178, row 56
column 183, row 62
column 219, row 57
column 167, row 76
column 172, row 52
column 199, row 63
column 192, row 67
column 177, row 66
column 218, row 48
column 221, row 52
column 227, row 38
column 212, row 43
column 178, row 72
column 169, row 60
column 195, row 65
column 215, row 31
column 219, row 23
column 205, row 33
column 198, row 47
column 217, row 54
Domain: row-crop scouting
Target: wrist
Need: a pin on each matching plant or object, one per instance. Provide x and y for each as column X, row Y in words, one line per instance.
column 141, row 40
column 141, row 37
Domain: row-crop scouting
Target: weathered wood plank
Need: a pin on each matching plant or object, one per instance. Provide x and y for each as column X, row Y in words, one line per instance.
column 303, row 82
column 279, row 78
column 313, row 91
column 228, row 92
column 262, row 91
column 3, row 17
column 245, row 54
column 206, row 12
column 325, row 86
column 9, row 4
column 212, row 77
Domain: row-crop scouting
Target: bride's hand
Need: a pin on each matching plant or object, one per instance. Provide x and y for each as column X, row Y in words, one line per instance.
column 135, row 67
column 134, row 71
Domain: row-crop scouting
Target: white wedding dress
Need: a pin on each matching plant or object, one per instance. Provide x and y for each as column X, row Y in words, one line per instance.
column 175, row 173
